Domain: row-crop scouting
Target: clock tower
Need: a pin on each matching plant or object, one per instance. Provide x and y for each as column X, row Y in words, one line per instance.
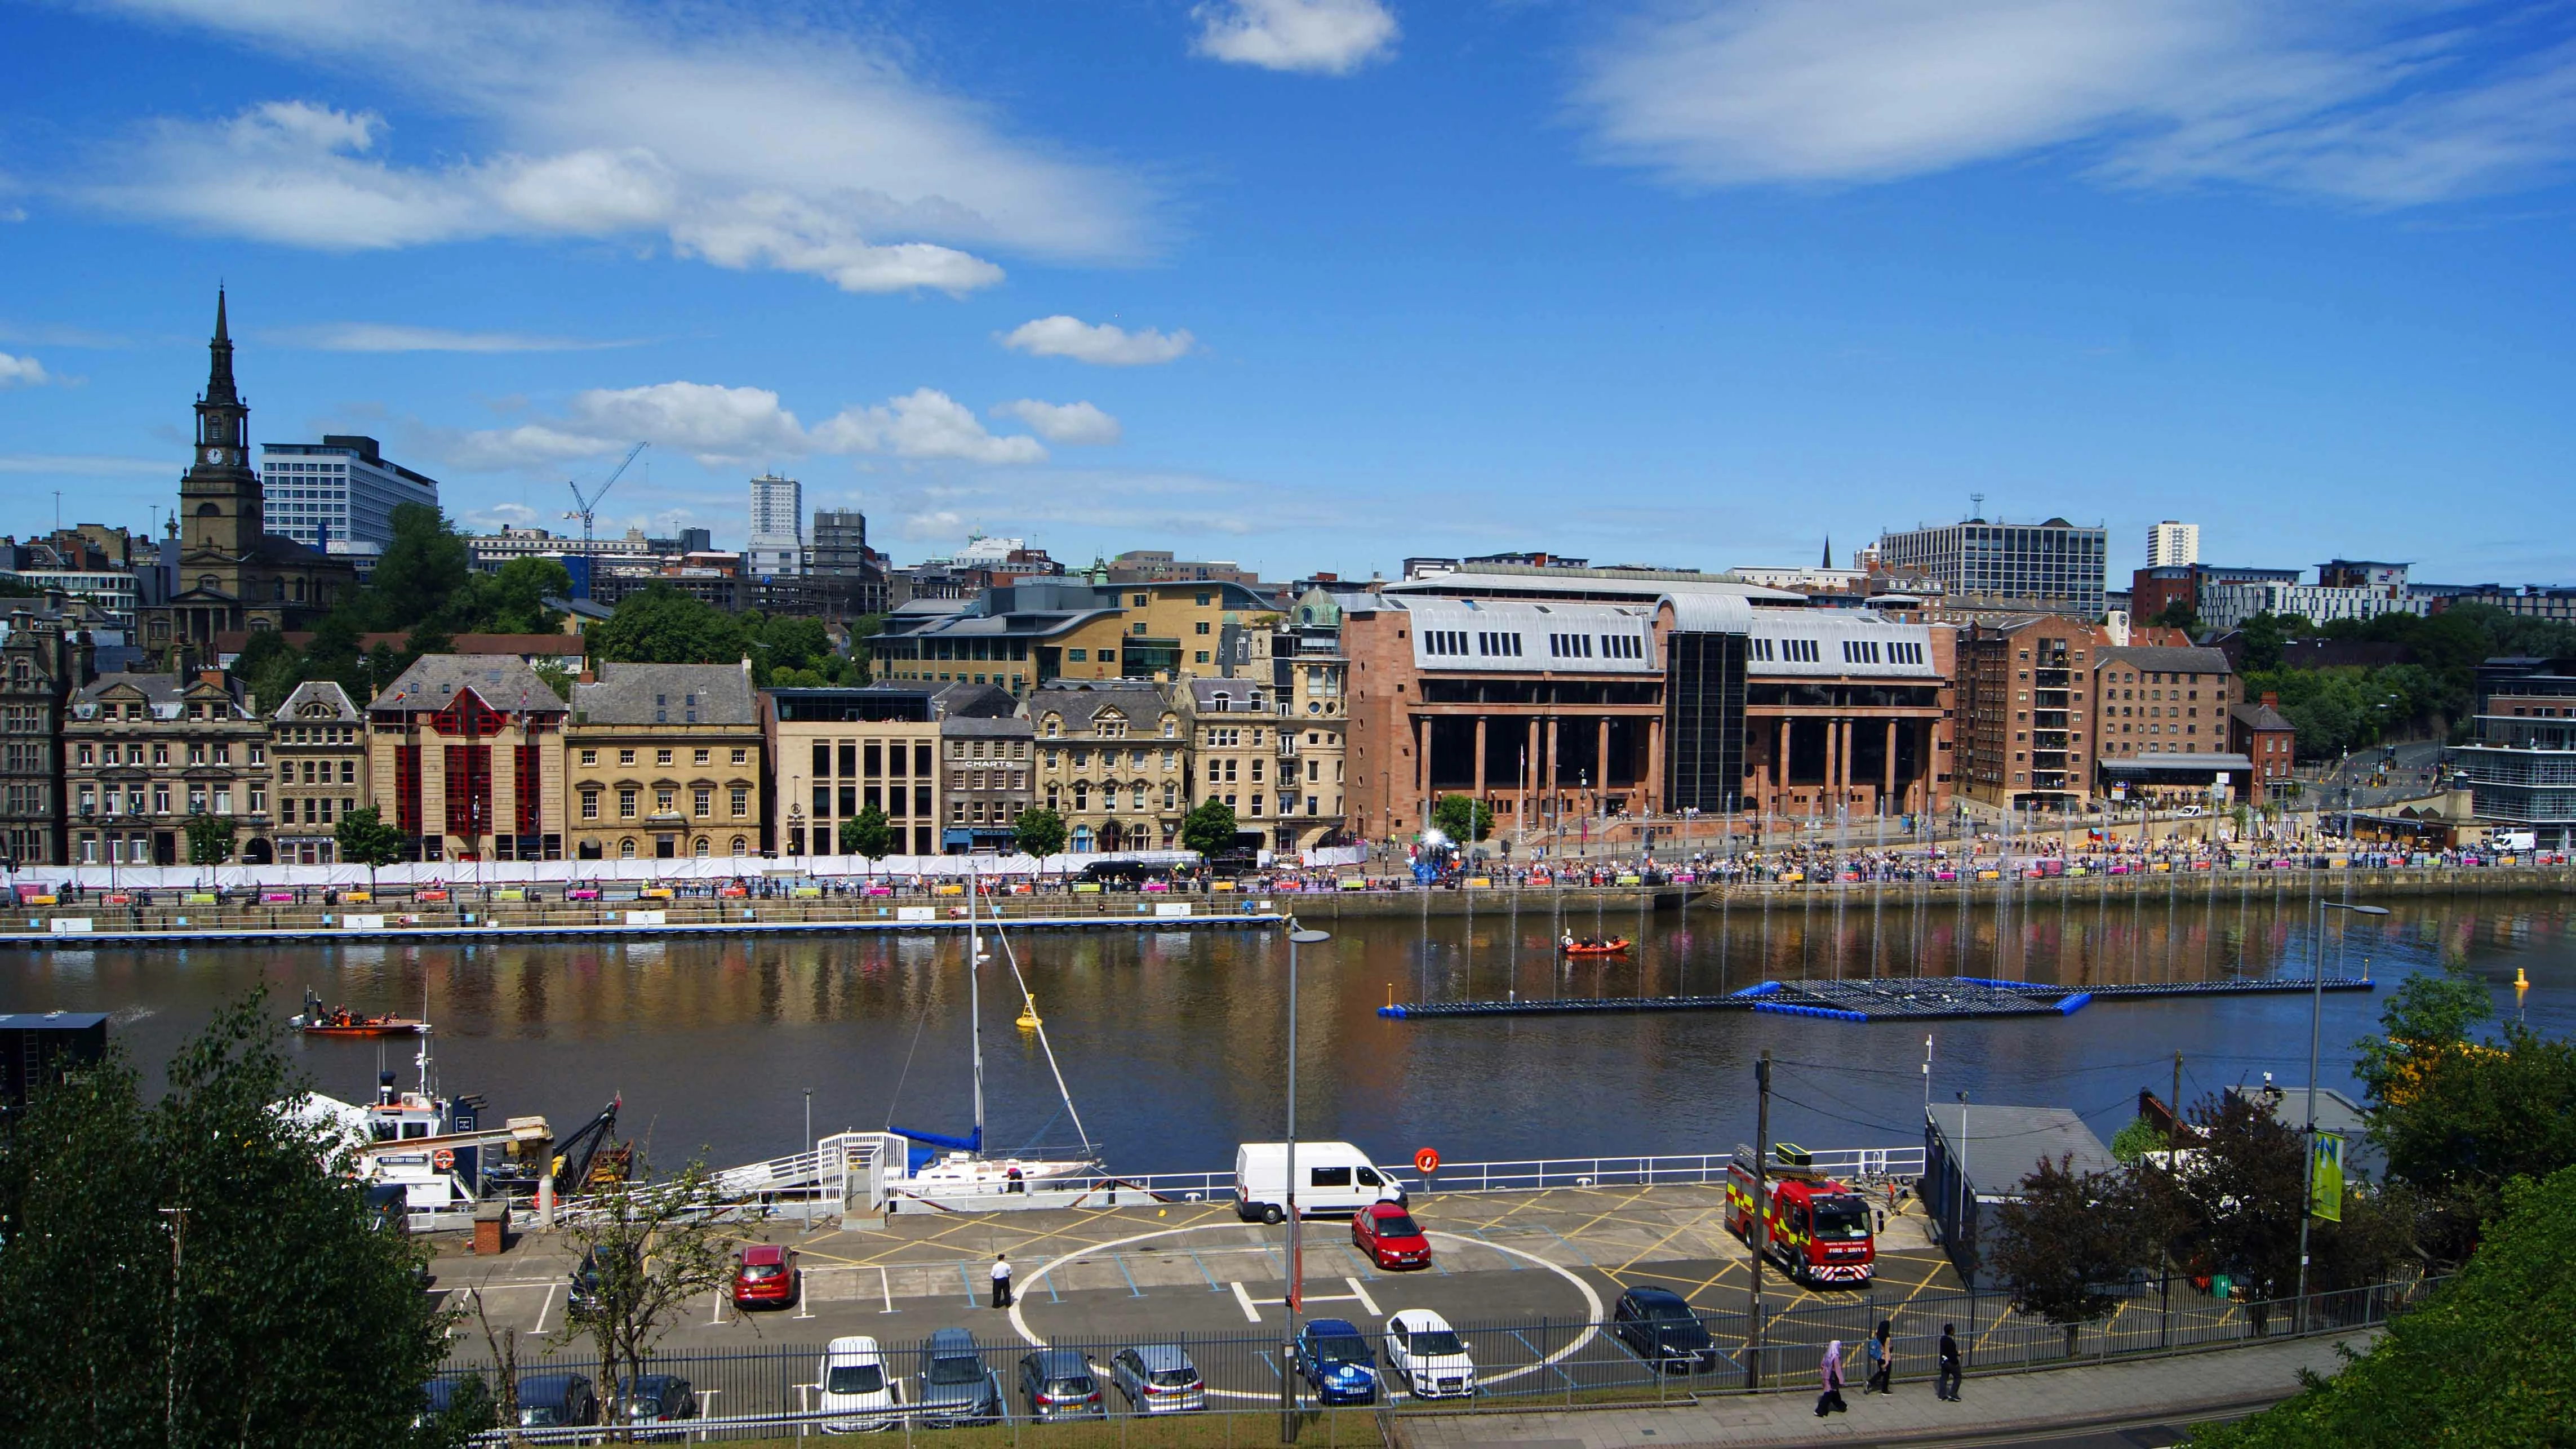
column 219, row 499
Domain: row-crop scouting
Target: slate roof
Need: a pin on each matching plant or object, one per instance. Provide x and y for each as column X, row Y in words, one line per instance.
column 501, row 681
column 2000, row 1145
column 968, row 726
column 2169, row 659
column 1142, row 707
column 1238, row 692
column 981, row 701
column 2259, row 717
column 639, row 694
column 324, row 691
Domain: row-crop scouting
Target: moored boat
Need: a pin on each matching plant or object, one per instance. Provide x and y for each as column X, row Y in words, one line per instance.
column 1615, row 946
column 319, row 1020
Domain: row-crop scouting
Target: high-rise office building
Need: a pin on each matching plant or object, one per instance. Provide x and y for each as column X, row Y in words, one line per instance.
column 2052, row 567
column 337, row 495
column 840, row 541
column 2172, row 545
column 777, row 544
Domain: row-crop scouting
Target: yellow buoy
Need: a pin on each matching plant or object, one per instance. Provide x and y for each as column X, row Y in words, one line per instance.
column 1028, row 1014
column 2521, row 983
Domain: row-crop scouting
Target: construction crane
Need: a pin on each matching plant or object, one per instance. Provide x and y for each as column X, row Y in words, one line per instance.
column 587, row 510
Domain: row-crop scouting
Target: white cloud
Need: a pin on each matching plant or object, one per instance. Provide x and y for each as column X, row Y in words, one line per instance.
column 1076, row 424
column 924, row 423
column 1333, row 37
column 2368, row 103
column 715, row 425
column 398, row 337
column 21, row 372
column 778, row 143
column 1104, row 343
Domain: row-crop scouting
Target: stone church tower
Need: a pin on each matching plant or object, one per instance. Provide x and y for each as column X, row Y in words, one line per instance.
column 233, row 576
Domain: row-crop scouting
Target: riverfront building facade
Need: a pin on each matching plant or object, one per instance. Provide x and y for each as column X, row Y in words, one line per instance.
column 2521, row 767
column 2052, row 567
column 665, row 761
column 145, row 752
column 318, row 751
column 841, row 752
column 465, row 756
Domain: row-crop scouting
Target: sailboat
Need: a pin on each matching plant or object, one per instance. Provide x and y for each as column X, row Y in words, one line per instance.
column 943, row 1162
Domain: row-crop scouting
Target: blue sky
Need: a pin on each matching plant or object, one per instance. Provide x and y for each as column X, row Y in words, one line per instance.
column 1316, row 284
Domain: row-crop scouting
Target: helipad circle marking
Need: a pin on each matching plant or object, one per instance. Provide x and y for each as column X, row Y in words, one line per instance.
column 1591, row 1299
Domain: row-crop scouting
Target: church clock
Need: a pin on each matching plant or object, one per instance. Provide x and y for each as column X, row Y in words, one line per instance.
column 214, row 455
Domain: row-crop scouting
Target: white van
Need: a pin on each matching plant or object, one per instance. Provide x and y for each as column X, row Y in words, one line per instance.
column 1339, row 1178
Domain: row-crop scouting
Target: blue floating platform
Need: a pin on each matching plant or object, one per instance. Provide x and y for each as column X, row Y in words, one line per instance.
column 1887, row 998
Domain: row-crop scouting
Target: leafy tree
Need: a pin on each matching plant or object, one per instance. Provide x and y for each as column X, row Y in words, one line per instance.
column 1209, row 829
column 1463, row 818
column 366, row 838
column 868, row 834
column 2183, row 614
column 512, row 600
column 2479, row 1365
column 202, row 1269
column 268, row 667
column 2429, row 1013
column 661, row 625
column 2136, row 1140
column 2244, row 1194
column 1039, row 831
column 421, row 573
column 2464, row 1120
column 656, row 1248
column 557, row 678
column 2070, row 1242
column 210, row 839
column 2262, row 637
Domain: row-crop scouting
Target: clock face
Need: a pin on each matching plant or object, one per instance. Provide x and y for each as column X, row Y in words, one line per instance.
column 214, row 455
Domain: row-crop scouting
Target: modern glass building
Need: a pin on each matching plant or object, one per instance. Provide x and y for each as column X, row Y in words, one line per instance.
column 337, row 495
column 2051, row 567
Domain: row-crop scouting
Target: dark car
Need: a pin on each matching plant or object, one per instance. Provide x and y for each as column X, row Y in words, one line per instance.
column 581, row 1295
column 1336, row 1362
column 661, row 1399
column 1658, row 1326
column 956, row 1387
column 550, row 1401
column 1056, row 1383
column 466, row 1396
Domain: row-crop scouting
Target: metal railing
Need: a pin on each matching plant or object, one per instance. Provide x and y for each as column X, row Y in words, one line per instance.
column 753, row 1393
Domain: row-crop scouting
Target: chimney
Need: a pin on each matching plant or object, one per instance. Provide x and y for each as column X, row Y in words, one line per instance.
column 586, row 677
column 2271, row 700
column 210, row 676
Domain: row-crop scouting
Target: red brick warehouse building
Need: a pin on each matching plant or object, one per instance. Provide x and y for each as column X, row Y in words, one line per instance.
column 1658, row 698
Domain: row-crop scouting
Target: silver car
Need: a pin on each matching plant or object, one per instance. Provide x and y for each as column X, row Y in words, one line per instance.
column 1158, row 1378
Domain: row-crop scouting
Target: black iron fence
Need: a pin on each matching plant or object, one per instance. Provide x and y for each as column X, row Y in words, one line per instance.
column 771, row 1390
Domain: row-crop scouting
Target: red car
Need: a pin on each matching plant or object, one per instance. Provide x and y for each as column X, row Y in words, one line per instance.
column 1387, row 1234
column 765, row 1277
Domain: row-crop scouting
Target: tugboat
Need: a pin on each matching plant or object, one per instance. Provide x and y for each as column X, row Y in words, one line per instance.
column 316, row 1020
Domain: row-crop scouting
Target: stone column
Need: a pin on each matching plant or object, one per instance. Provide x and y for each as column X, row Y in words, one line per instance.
column 1887, row 791
column 1422, row 772
column 1480, row 757
column 1601, row 760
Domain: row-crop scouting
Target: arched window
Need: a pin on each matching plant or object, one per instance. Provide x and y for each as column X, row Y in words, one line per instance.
column 700, row 849
column 1082, row 840
column 737, row 845
column 626, row 848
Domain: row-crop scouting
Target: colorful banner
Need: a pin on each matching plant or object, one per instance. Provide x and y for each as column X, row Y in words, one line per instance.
column 2325, row 1179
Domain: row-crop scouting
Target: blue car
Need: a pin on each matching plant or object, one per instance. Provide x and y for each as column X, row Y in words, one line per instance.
column 1336, row 1362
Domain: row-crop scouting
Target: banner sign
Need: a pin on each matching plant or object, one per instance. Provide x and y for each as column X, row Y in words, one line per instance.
column 2325, row 1179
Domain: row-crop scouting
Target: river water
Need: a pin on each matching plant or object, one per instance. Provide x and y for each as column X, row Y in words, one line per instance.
column 1172, row 1041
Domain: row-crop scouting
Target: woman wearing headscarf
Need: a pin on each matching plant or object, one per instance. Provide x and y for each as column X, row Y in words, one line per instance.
column 1831, row 1373
column 1882, row 1362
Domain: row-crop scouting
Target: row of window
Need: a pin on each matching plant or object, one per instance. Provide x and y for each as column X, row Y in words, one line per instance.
column 666, row 801
column 1139, row 793
column 1002, row 749
column 988, row 779
column 1444, row 641
column 741, row 756
column 136, row 800
column 200, row 752
column 1792, row 651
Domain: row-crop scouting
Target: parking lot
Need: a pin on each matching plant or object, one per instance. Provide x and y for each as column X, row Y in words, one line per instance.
column 1523, row 1276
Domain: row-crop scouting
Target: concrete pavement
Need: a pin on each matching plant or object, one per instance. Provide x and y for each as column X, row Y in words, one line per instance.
column 2175, row 1390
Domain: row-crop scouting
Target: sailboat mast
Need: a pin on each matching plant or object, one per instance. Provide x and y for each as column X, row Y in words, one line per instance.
column 974, row 997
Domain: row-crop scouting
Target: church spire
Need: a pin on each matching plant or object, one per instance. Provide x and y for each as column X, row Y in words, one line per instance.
column 1829, row 550
column 219, row 373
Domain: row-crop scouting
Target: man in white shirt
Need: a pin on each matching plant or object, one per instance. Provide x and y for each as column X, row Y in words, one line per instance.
column 1001, row 1280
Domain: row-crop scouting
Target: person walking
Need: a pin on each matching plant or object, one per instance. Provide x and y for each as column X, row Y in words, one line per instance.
column 1830, row 1373
column 1001, row 1280
column 1882, row 1363
column 1946, row 1385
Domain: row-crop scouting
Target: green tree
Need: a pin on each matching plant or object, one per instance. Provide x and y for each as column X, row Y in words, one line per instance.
column 2183, row 614
column 2244, row 1193
column 1463, row 818
column 2479, row 1366
column 1039, row 831
column 656, row 1247
column 422, row 573
column 2068, row 1245
column 2429, row 1013
column 1209, row 829
column 2136, row 1140
column 868, row 834
column 269, row 667
column 203, row 1269
column 2461, row 1122
column 210, row 838
column 661, row 625
column 513, row 599
column 366, row 838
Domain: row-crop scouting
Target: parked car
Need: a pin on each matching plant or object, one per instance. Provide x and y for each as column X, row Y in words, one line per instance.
column 661, row 1399
column 1158, row 1378
column 851, row 1389
column 765, row 1277
column 1336, row 1362
column 551, row 1401
column 1386, row 1232
column 1429, row 1355
column 956, row 1387
column 1658, row 1326
column 581, row 1295
column 1056, row 1383
column 466, row 1395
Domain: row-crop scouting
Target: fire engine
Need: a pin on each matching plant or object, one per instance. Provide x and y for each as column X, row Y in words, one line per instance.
column 1819, row 1229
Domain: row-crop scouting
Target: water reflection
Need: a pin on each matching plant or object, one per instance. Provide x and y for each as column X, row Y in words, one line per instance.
column 1172, row 1040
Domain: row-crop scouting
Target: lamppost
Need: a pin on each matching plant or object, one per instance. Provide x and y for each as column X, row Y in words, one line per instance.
column 2308, row 1135
column 1296, row 1295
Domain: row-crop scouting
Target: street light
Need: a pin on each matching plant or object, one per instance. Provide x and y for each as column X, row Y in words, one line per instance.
column 1296, row 1297
column 2308, row 1138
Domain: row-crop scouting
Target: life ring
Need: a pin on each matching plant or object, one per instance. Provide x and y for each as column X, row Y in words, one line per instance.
column 1426, row 1161
column 442, row 1159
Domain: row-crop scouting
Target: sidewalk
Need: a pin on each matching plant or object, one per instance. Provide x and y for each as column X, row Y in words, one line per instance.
column 2179, row 1388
